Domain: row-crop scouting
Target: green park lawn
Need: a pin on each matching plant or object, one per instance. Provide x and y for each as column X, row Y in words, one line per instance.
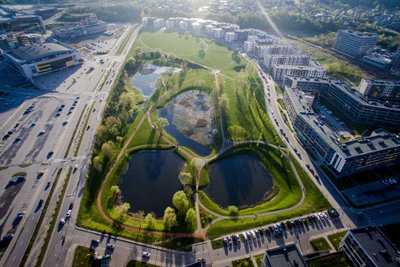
column 187, row 47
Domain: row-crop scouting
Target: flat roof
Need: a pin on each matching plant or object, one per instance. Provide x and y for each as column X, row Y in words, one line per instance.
column 378, row 140
column 285, row 256
column 38, row 51
column 376, row 245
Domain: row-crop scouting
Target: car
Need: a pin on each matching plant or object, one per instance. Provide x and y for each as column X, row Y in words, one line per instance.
column 40, row 204
column 16, row 125
column 58, row 114
column 39, row 175
column 95, row 242
column 69, row 213
column 71, row 205
column 47, row 186
column 20, row 214
column 18, row 139
column 50, row 154
column 62, row 106
column 65, row 123
column 41, row 133
column 333, row 213
column 8, row 236
column 11, row 182
column 146, row 254
column 75, row 168
column 5, row 137
column 62, row 221
column 20, row 178
column 60, row 109
column 33, row 125
column 69, row 112
column 110, row 246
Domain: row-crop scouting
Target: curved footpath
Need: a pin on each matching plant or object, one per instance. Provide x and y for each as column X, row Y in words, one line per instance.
column 200, row 232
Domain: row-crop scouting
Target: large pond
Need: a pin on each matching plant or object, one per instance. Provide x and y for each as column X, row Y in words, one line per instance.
column 145, row 80
column 239, row 180
column 191, row 118
column 151, row 180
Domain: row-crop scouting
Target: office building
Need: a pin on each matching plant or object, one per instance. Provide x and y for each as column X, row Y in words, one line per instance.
column 40, row 59
column 339, row 155
column 354, row 44
column 271, row 60
column 88, row 26
column 279, row 72
column 380, row 90
column 286, row 256
column 369, row 247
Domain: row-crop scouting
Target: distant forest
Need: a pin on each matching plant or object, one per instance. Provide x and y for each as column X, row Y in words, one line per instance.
column 386, row 4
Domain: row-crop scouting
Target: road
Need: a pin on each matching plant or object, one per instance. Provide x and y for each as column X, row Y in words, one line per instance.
column 70, row 97
column 75, row 188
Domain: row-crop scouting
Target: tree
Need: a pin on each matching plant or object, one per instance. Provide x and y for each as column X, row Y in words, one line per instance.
column 150, row 221
column 98, row 163
column 224, row 101
column 108, row 149
column 185, row 178
column 180, row 202
column 237, row 132
column 161, row 124
column 169, row 218
column 115, row 191
column 190, row 218
column 233, row 210
column 121, row 211
column 130, row 65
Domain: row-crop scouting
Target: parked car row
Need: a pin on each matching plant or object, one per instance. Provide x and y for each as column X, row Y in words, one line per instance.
column 278, row 228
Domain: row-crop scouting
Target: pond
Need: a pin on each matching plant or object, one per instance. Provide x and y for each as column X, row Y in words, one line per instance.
column 240, row 180
column 151, row 180
column 191, row 117
column 145, row 80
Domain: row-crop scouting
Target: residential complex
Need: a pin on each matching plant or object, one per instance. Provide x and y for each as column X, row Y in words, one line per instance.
column 338, row 154
column 369, row 247
column 354, row 44
column 380, row 90
column 271, row 60
column 279, row 72
column 88, row 26
column 38, row 59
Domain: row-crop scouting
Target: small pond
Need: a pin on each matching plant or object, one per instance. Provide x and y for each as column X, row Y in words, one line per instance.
column 145, row 80
column 191, row 117
column 151, row 180
column 239, row 180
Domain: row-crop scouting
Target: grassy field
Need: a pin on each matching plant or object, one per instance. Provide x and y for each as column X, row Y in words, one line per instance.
column 320, row 244
column 336, row 238
column 188, row 47
column 83, row 257
column 247, row 262
column 331, row 260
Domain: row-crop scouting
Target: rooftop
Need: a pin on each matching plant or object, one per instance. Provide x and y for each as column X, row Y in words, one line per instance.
column 39, row 51
column 378, row 140
column 376, row 245
column 358, row 34
column 285, row 256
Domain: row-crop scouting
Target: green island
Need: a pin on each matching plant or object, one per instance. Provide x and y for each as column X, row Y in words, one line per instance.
column 132, row 124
